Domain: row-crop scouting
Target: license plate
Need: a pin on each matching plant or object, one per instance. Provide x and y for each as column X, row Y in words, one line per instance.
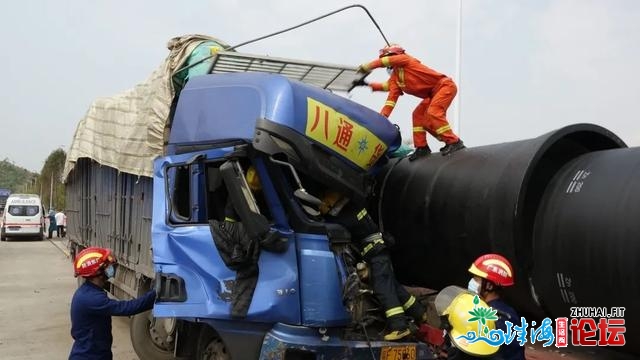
column 407, row 352
column 13, row 228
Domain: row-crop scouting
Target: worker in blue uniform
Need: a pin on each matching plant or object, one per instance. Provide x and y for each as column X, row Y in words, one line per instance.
column 91, row 308
column 491, row 273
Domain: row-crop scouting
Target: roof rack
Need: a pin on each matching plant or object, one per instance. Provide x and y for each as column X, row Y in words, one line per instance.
column 327, row 76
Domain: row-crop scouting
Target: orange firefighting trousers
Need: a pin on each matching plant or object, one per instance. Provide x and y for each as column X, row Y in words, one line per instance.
column 431, row 115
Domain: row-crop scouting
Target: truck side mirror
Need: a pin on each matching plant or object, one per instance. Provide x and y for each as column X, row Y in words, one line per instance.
column 311, row 211
column 303, row 195
column 300, row 193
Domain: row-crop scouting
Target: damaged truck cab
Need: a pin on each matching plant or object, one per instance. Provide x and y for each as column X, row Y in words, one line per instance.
column 285, row 296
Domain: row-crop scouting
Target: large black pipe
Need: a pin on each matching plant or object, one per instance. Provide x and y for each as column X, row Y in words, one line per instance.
column 587, row 237
column 446, row 211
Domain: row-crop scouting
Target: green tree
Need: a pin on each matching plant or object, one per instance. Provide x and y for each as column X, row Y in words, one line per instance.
column 16, row 178
column 52, row 174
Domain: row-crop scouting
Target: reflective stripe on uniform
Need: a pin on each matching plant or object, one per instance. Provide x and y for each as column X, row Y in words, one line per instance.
column 385, row 86
column 361, row 214
column 418, row 129
column 443, row 129
column 401, row 77
column 385, row 61
column 394, row 311
column 390, row 103
column 371, row 245
column 226, row 218
column 409, row 302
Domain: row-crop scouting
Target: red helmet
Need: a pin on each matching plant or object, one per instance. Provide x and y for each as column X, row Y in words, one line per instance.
column 92, row 261
column 493, row 267
column 393, row 49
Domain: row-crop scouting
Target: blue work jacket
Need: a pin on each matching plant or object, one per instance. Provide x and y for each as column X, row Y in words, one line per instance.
column 91, row 311
column 513, row 351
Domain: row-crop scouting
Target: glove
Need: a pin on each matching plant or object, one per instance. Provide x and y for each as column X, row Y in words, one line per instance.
column 359, row 82
column 363, row 70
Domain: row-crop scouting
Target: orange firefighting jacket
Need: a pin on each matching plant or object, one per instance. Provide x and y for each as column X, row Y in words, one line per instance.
column 409, row 76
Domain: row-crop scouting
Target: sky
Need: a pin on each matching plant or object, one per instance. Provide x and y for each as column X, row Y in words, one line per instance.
column 527, row 66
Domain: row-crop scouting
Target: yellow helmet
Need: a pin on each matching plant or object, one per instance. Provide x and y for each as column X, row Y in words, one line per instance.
column 459, row 314
column 252, row 179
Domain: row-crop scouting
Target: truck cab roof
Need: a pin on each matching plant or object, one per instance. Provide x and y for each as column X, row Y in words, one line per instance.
column 223, row 108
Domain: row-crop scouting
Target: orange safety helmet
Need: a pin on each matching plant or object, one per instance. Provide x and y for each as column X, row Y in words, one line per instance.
column 92, row 261
column 493, row 267
column 393, row 49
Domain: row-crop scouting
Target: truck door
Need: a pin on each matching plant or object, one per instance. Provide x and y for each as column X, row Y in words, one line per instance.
column 189, row 194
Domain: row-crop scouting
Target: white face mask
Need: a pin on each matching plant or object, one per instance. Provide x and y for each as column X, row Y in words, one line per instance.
column 389, row 70
column 110, row 271
column 473, row 286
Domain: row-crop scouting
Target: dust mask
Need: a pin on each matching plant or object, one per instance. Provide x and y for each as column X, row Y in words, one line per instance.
column 110, row 271
column 473, row 286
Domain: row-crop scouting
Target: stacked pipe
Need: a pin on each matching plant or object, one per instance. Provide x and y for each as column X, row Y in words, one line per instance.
column 564, row 208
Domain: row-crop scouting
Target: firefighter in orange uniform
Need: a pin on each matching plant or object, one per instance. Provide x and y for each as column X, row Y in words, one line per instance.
column 409, row 75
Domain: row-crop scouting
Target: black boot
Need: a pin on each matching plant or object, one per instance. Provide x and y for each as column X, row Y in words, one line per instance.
column 420, row 152
column 398, row 328
column 417, row 311
column 450, row 148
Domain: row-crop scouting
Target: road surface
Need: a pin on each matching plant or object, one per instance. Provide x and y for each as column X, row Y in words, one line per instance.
column 36, row 286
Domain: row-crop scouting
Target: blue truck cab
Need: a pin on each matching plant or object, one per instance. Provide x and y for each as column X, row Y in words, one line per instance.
column 277, row 289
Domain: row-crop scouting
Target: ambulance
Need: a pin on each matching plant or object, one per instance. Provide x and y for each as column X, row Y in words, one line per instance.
column 23, row 217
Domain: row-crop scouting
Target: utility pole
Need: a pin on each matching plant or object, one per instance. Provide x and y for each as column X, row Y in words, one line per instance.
column 456, row 125
column 51, row 193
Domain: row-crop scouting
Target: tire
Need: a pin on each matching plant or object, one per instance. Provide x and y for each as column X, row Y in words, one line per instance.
column 211, row 346
column 142, row 342
column 3, row 235
column 41, row 234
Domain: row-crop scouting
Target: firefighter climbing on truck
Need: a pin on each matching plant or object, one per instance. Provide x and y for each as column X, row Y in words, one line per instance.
column 409, row 75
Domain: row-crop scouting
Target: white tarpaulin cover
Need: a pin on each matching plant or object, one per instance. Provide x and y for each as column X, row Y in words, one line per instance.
column 127, row 131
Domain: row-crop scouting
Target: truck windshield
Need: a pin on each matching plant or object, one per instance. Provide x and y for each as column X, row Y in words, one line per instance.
column 24, row 210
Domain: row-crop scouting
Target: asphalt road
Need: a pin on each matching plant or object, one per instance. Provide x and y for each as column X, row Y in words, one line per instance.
column 36, row 286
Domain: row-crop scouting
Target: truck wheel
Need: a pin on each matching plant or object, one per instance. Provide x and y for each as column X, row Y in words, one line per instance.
column 3, row 235
column 211, row 346
column 146, row 341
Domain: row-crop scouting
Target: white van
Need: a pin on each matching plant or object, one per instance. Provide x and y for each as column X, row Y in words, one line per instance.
column 23, row 216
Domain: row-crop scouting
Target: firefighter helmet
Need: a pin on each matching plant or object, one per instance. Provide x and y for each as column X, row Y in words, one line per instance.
column 253, row 180
column 329, row 199
column 458, row 315
column 493, row 267
column 92, row 261
column 393, row 49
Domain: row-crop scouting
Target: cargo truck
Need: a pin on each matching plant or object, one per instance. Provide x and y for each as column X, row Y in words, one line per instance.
column 4, row 195
column 296, row 137
column 150, row 171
